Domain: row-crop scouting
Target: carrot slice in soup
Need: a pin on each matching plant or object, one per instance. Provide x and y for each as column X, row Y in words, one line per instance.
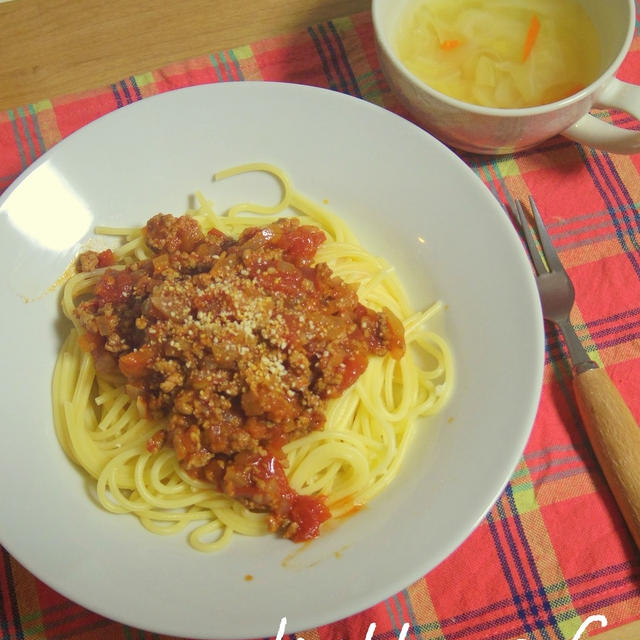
column 532, row 36
column 447, row 45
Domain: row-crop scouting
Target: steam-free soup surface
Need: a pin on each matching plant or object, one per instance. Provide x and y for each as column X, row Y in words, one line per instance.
column 500, row 53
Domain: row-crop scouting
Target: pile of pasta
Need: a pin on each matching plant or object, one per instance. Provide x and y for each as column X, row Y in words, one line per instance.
column 357, row 454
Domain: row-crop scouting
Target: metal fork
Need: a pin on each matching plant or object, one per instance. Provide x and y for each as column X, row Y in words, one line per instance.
column 610, row 425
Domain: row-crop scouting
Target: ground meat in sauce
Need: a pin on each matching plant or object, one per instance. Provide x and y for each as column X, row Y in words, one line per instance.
column 235, row 346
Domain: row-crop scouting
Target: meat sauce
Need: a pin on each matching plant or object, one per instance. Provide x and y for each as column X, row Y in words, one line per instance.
column 234, row 346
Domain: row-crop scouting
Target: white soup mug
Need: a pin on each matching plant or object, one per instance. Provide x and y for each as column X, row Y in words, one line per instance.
column 489, row 130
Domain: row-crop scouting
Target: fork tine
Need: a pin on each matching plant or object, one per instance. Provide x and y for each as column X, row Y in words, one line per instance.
column 550, row 253
column 529, row 239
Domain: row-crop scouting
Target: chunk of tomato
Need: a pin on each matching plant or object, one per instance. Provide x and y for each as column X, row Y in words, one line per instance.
column 114, row 286
column 300, row 244
column 354, row 366
column 134, row 364
column 308, row 512
column 106, row 258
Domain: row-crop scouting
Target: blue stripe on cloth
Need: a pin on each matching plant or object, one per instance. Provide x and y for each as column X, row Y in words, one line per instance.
column 481, row 622
column 393, row 619
column 615, row 317
column 225, row 63
column 116, row 95
column 571, row 457
column 236, row 64
column 411, row 617
column 331, row 83
column 606, row 344
column 13, row 613
column 24, row 121
column 506, row 570
column 216, row 67
column 533, row 567
column 6, row 180
column 617, row 329
column 601, row 589
column 593, row 163
column 135, row 87
column 523, row 594
column 18, row 139
column 344, row 87
column 36, row 130
column 125, row 90
column 4, row 616
column 345, row 60
column 607, row 601
column 624, row 568
column 625, row 203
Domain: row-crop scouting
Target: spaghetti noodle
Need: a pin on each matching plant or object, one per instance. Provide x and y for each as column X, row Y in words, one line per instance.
column 105, row 428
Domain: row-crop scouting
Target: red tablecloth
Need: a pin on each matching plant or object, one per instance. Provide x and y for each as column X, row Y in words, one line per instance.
column 554, row 549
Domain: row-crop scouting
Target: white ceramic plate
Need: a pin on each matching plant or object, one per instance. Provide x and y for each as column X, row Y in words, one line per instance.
column 409, row 199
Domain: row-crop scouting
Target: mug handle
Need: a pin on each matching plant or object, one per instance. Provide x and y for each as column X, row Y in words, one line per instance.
column 596, row 133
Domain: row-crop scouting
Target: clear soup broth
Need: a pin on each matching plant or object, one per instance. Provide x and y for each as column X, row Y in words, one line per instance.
column 500, row 53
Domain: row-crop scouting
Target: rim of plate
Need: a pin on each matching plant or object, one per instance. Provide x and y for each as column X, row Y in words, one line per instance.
column 334, row 125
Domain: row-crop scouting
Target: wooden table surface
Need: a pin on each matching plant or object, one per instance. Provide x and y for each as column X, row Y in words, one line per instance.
column 54, row 47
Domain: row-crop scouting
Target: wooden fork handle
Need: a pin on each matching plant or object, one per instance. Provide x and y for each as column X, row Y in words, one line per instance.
column 615, row 437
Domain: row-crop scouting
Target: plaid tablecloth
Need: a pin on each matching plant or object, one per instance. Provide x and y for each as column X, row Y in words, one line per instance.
column 554, row 550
